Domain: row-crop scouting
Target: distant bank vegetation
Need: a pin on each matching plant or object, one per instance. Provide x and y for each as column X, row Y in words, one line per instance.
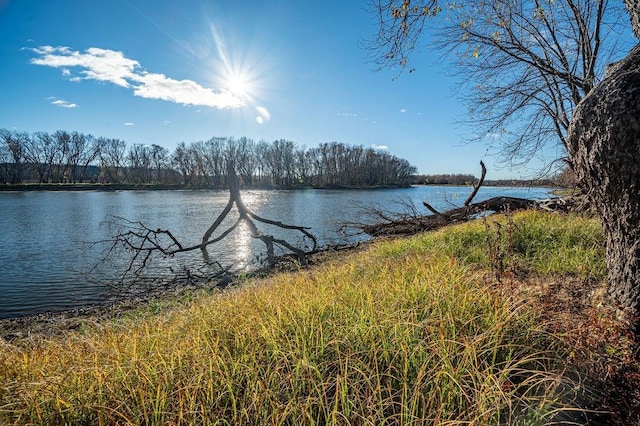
column 73, row 157
column 564, row 179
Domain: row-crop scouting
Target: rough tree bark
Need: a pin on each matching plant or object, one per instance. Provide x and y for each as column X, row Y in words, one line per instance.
column 604, row 147
column 633, row 6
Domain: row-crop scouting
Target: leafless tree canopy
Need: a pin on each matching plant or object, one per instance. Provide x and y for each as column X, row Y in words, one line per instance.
column 400, row 28
column 524, row 65
column 74, row 157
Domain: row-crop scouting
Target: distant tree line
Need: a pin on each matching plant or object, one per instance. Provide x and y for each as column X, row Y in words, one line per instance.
column 564, row 179
column 73, row 157
column 444, row 179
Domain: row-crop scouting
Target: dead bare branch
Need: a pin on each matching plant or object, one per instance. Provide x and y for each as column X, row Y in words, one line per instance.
column 142, row 242
column 431, row 209
column 406, row 224
column 478, row 184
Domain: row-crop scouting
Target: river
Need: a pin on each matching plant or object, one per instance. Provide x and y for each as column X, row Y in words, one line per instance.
column 49, row 238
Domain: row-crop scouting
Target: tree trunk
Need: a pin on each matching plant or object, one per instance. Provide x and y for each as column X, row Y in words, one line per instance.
column 604, row 148
column 633, row 7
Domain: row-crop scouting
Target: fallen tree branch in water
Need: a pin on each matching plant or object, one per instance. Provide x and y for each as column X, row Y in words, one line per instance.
column 411, row 224
column 142, row 242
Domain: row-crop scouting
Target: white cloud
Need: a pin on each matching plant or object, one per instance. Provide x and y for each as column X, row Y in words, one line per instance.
column 186, row 92
column 403, row 110
column 98, row 64
column 61, row 103
column 128, row 123
column 111, row 66
column 380, row 147
column 347, row 114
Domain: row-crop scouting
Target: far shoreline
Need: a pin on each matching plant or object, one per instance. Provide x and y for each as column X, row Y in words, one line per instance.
column 111, row 187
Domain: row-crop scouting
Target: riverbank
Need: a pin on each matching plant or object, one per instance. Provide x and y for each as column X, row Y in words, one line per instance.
column 164, row 187
column 496, row 321
column 43, row 326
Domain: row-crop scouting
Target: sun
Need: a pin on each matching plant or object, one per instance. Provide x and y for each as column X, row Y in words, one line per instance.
column 238, row 85
column 238, row 73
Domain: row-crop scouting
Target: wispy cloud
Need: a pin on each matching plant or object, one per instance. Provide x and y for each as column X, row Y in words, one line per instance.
column 113, row 67
column 347, row 114
column 380, row 147
column 128, row 123
column 403, row 110
column 61, row 103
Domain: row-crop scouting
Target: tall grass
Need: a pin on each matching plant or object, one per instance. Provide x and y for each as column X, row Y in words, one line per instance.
column 538, row 242
column 406, row 332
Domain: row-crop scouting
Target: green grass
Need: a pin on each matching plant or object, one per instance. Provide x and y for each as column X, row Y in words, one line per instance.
column 408, row 332
column 535, row 242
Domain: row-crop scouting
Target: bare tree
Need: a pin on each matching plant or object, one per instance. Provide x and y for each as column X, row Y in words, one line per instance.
column 604, row 147
column 63, row 147
column 523, row 65
column 139, row 160
column 113, row 160
column 14, row 143
column 596, row 117
column 5, row 161
column 41, row 151
column 159, row 162
column 183, row 159
column 79, row 155
column 89, row 155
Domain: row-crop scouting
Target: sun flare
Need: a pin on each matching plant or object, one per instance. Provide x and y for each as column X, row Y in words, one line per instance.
column 240, row 74
column 238, row 86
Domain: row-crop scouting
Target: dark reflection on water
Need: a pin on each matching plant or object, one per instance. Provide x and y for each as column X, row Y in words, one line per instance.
column 44, row 248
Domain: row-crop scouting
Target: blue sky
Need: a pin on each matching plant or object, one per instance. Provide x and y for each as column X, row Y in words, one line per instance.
column 164, row 72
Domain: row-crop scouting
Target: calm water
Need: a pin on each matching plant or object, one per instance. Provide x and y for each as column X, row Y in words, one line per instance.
column 45, row 250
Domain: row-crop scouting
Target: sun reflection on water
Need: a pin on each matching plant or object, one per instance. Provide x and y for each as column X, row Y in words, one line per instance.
column 244, row 245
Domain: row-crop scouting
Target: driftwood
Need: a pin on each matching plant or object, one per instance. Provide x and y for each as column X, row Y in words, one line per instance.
column 406, row 225
column 412, row 225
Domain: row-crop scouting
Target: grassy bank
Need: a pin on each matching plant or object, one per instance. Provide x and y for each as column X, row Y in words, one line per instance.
column 443, row 328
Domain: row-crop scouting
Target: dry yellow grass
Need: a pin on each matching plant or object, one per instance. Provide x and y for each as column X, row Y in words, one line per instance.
column 408, row 332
